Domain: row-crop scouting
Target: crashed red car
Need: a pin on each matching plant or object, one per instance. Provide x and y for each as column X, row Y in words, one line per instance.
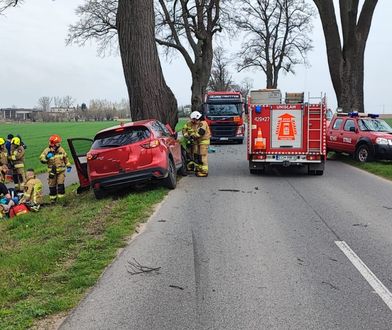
column 128, row 154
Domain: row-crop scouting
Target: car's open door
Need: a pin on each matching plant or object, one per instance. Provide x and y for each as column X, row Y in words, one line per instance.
column 79, row 148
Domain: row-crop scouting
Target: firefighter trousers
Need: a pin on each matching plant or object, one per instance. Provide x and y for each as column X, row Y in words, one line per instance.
column 18, row 176
column 56, row 185
column 203, row 158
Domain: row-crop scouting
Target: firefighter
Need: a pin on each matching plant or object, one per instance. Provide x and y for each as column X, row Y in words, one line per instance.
column 56, row 159
column 3, row 161
column 16, row 162
column 188, row 142
column 198, row 131
column 32, row 195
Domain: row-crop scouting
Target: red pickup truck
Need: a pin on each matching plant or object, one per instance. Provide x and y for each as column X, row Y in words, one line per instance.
column 364, row 136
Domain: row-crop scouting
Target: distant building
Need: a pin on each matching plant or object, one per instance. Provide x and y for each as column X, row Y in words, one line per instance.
column 18, row 114
column 62, row 109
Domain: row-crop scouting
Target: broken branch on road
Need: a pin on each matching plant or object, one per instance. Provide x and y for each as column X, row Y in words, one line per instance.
column 136, row 268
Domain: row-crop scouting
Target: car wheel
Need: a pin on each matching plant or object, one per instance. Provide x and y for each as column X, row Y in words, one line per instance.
column 183, row 171
column 363, row 154
column 99, row 193
column 256, row 171
column 171, row 180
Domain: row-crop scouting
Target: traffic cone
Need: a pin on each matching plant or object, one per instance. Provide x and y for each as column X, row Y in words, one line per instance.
column 259, row 141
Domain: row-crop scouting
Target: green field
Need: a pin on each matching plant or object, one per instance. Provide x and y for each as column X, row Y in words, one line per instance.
column 36, row 135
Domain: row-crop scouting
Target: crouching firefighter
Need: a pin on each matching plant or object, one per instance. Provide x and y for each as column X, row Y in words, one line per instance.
column 32, row 195
column 56, row 159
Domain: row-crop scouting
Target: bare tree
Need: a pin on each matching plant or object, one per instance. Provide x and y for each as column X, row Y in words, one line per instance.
column 220, row 79
column 68, row 102
column 58, row 101
column 149, row 96
column 276, row 33
column 97, row 22
column 4, row 4
column 245, row 87
column 44, row 103
column 189, row 26
column 346, row 53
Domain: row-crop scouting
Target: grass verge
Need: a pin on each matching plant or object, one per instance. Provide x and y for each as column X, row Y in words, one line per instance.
column 49, row 259
column 380, row 167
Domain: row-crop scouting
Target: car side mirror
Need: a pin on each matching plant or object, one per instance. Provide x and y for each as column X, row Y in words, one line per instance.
column 353, row 129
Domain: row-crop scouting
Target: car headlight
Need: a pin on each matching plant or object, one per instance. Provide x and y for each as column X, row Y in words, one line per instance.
column 381, row 141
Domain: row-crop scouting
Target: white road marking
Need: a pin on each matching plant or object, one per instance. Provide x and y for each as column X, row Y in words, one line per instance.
column 374, row 282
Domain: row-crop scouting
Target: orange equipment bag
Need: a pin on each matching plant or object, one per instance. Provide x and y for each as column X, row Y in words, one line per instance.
column 18, row 210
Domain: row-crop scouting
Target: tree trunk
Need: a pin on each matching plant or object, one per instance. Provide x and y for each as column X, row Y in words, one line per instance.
column 346, row 63
column 201, row 71
column 351, row 97
column 149, row 96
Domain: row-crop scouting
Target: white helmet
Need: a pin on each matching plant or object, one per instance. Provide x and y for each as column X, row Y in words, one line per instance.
column 196, row 115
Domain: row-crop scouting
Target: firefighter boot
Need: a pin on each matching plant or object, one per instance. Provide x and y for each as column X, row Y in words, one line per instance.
column 60, row 191
column 53, row 194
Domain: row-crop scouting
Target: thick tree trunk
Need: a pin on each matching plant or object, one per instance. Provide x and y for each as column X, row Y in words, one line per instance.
column 346, row 59
column 149, row 96
column 201, row 71
column 351, row 97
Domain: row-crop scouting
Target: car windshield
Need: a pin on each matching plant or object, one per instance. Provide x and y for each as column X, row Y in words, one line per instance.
column 224, row 109
column 120, row 137
column 374, row 125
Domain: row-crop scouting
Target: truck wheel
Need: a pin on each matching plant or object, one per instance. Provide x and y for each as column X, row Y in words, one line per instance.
column 99, row 193
column 363, row 153
column 171, row 180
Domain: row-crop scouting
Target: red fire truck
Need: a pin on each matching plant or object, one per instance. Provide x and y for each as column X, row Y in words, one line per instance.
column 286, row 134
column 223, row 113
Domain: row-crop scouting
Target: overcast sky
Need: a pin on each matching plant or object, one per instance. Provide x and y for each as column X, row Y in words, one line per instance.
column 35, row 62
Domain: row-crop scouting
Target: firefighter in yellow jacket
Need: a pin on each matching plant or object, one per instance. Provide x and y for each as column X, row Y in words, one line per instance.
column 57, row 160
column 199, row 132
column 16, row 161
column 32, row 195
column 3, row 161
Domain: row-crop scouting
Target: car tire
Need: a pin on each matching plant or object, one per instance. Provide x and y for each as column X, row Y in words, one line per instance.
column 171, row 180
column 256, row 171
column 363, row 153
column 183, row 171
column 99, row 193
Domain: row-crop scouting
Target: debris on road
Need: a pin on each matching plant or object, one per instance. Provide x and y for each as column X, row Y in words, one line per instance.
column 331, row 285
column 176, row 287
column 136, row 268
column 360, row 225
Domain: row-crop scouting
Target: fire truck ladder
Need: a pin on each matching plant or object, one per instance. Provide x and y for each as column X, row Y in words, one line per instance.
column 315, row 119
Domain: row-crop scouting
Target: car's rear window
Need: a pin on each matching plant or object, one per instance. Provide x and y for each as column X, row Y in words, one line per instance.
column 120, row 137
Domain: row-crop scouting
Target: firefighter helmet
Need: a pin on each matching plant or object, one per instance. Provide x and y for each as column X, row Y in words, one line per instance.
column 196, row 115
column 2, row 141
column 54, row 139
column 16, row 141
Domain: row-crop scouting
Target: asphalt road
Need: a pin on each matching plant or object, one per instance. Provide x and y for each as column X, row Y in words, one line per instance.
column 239, row 251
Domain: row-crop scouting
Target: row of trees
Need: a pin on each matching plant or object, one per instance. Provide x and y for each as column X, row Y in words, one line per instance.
column 276, row 39
column 97, row 110
column 45, row 103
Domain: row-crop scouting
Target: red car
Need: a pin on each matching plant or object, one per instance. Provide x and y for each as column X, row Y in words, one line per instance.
column 364, row 136
column 128, row 154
